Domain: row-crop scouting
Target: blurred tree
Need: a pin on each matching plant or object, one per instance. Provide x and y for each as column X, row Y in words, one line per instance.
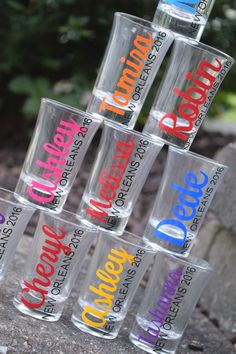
column 54, row 48
column 221, row 33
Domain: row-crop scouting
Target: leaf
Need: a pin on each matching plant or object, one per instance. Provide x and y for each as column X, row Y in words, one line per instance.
column 41, row 86
column 31, row 107
column 76, row 28
column 52, row 63
column 15, row 5
column 21, row 85
column 231, row 99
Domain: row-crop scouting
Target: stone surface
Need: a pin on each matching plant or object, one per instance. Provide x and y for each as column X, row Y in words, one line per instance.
column 203, row 337
column 224, row 204
column 217, row 244
column 25, row 335
column 220, row 296
column 219, row 126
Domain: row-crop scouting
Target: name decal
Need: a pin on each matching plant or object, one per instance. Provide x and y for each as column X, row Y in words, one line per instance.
column 110, row 277
column 188, row 5
column 110, row 181
column 126, row 84
column 195, row 97
column 44, row 192
column 45, row 269
column 186, row 210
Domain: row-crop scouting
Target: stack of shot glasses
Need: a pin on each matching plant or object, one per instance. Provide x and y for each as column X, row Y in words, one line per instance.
column 62, row 135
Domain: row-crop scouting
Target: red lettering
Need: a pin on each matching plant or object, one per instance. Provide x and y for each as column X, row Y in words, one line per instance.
column 125, row 148
column 195, row 97
column 105, row 180
column 202, row 96
column 174, row 130
column 108, row 193
column 98, row 213
column 30, row 304
column 40, row 285
column 118, row 170
column 189, row 112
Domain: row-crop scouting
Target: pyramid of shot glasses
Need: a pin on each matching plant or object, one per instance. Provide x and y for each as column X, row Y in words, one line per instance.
column 61, row 138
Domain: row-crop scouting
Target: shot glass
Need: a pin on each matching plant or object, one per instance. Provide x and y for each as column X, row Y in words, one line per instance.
column 115, row 272
column 14, row 218
column 124, row 160
column 187, row 18
column 171, row 295
column 59, row 247
column 194, row 74
column 133, row 56
column 187, row 188
column 61, row 138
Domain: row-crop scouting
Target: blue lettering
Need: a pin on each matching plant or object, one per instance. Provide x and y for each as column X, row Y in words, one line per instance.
column 185, row 5
column 176, row 241
column 194, row 177
column 190, row 200
column 187, row 193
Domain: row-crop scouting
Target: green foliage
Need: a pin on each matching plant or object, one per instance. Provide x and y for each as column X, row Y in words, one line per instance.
column 54, row 48
column 39, row 50
column 225, row 106
column 35, row 88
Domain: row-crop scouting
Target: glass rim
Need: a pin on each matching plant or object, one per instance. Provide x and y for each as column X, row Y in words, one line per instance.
column 124, row 129
column 138, row 20
column 66, row 107
column 190, row 260
column 198, row 156
column 136, row 241
column 204, row 47
column 6, row 193
column 71, row 218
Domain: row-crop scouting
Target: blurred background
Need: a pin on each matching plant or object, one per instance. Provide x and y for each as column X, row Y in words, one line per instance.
column 54, row 48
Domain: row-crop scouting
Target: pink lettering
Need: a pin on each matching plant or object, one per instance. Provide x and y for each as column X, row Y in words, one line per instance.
column 44, row 192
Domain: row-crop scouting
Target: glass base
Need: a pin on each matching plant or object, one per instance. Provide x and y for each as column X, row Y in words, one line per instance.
column 98, row 227
column 36, row 313
column 146, row 348
column 93, row 331
column 37, row 206
column 166, row 250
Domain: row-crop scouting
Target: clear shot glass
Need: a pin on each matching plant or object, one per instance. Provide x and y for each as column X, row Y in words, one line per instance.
column 115, row 272
column 187, row 18
column 172, row 292
column 187, row 188
column 61, row 138
column 194, row 74
column 59, row 247
column 133, row 56
column 14, row 218
column 124, row 160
